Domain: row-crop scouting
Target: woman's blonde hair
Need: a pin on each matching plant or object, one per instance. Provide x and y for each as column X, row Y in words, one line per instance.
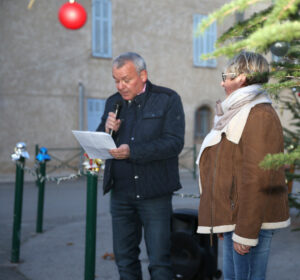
column 253, row 65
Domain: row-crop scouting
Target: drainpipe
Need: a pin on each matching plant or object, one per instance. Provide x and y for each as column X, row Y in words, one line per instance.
column 81, row 117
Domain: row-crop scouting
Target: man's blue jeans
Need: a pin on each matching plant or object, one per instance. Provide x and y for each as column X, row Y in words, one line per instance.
column 129, row 215
column 251, row 266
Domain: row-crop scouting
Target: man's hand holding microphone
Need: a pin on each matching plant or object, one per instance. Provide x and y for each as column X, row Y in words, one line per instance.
column 113, row 125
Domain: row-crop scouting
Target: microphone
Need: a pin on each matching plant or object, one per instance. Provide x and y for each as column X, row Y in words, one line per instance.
column 118, row 106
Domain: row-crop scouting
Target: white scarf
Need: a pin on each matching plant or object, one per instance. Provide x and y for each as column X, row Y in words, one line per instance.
column 236, row 108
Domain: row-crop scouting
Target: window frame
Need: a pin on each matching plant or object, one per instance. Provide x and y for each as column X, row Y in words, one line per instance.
column 101, row 29
column 204, row 43
column 198, row 134
column 94, row 111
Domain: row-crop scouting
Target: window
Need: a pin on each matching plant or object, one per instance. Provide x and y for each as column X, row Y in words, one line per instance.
column 101, row 28
column 202, row 121
column 204, row 43
column 95, row 110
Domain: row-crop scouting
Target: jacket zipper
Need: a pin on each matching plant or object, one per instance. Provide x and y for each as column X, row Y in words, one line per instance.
column 212, row 196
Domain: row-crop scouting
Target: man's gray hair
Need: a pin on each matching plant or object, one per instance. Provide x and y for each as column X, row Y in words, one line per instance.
column 135, row 58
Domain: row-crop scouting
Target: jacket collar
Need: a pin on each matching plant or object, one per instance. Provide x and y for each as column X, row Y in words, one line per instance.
column 141, row 98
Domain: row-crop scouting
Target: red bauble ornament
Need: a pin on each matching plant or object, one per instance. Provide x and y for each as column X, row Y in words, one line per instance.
column 72, row 15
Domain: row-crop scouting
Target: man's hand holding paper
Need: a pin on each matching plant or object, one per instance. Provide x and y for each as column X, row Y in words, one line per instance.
column 95, row 144
column 121, row 152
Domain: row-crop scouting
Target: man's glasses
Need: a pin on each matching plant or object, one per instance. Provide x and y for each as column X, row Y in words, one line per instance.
column 224, row 75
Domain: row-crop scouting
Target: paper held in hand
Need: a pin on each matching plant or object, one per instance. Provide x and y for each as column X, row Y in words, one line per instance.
column 95, row 144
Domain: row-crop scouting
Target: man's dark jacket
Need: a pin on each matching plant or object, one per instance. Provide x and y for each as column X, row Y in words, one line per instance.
column 157, row 139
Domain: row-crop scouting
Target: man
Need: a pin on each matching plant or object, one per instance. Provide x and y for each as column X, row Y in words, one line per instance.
column 143, row 173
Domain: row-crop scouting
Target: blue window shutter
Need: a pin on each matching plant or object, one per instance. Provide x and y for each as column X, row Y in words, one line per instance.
column 211, row 39
column 95, row 110
column 204, row 43
column 197, row 42
column 101, row 28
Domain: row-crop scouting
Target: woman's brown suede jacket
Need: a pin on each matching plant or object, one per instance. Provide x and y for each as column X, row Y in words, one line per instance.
column 237, row 195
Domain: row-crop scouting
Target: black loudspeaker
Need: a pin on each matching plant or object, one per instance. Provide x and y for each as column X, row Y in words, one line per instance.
column 192, row 256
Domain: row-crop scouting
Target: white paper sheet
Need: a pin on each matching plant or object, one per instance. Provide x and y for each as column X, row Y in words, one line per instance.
column 95, row 144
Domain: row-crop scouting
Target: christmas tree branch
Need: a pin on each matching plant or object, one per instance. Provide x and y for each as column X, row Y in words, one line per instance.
column 226, row 10
column 245, row 28
column 282, row 10
column 275, row 88
column 276, row 161
column 261, row 39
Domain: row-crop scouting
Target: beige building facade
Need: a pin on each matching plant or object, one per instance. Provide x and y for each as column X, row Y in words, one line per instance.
column 44, row 66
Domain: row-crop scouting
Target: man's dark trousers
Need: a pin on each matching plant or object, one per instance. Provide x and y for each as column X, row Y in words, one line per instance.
column 129, row 214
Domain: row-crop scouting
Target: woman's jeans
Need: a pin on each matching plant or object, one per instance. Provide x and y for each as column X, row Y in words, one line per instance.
column 251, row 266
column 129, row 215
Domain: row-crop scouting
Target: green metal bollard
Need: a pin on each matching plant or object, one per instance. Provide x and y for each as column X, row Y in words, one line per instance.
column 16, row 238
column 19, row 157
column 91, row 221
column 41, row 195
column 41, row 158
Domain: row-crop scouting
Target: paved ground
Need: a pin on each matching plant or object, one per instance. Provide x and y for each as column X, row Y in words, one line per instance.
column 58, row 252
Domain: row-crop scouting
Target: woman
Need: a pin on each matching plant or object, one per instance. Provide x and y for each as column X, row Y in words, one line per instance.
column 241, row 202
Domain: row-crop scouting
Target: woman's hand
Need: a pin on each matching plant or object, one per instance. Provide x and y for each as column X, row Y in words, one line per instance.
column 240, row 248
